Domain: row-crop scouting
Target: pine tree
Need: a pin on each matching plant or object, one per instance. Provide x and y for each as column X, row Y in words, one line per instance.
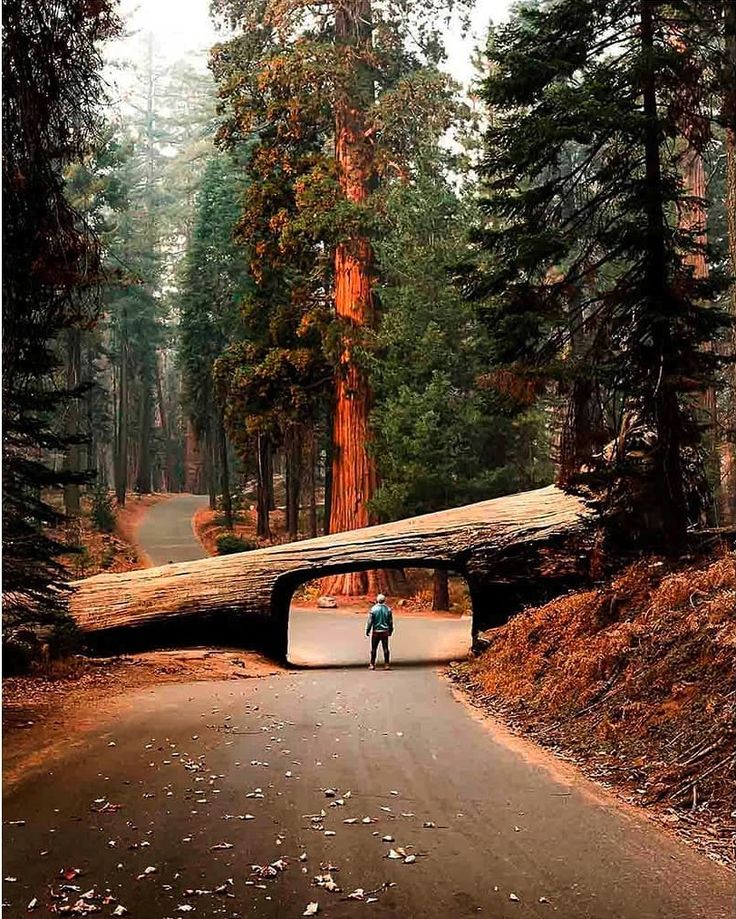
column 51, row 92
column 441, row 438
column 583, row 179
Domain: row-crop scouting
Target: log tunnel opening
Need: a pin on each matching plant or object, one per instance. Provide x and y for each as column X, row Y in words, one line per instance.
column 309, row 636
column 514, row 551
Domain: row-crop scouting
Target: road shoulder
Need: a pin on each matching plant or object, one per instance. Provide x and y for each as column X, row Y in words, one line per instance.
column 46, row 716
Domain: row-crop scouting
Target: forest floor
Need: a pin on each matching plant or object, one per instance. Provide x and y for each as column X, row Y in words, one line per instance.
column 107, row 552
column 209, row 525
column 634, row 682
column 38, row 709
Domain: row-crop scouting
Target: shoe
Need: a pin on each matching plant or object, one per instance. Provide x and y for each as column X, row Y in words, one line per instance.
column 387, row 666
column 371, row 666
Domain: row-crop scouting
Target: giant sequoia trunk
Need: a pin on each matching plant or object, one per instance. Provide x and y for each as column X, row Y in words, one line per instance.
column 353, row 471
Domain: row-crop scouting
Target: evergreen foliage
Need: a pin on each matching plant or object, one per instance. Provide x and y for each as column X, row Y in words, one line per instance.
column 580, row 230
column 228, row 543
column 442, row 439
column 102, row 512
column 51, row 265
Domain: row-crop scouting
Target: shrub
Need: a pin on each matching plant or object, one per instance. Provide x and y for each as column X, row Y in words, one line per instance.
column 34, row 644
column 102, row 513
column 228, row 543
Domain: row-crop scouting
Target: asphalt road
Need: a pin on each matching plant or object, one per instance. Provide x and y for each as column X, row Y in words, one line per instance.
column 153, row 807
column 166, row 534
column 329, row 639
column 185, row 756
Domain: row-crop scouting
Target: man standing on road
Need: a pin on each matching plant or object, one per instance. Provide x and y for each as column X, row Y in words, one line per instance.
column 381, row 620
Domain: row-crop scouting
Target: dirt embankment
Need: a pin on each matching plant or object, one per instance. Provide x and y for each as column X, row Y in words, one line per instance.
column 636, row 682
column 99, row 551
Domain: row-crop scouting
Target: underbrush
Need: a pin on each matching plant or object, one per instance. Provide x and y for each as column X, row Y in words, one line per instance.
column 636, row 680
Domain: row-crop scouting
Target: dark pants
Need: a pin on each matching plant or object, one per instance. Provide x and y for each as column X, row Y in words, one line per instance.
column 382, row 638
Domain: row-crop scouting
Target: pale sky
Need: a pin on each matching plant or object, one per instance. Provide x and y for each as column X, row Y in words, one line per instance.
column 183, row 29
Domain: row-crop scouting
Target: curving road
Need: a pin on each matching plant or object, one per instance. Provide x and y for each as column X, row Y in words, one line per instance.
column 166, row 534
column 153, row 807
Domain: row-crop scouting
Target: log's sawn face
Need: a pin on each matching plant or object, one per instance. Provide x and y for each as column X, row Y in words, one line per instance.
column 243, row 599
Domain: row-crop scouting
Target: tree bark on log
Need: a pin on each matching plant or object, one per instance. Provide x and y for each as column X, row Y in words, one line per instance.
column 497, row 545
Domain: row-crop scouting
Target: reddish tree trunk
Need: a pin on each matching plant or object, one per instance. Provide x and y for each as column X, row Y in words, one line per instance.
column 353, row 469
column 441, row 590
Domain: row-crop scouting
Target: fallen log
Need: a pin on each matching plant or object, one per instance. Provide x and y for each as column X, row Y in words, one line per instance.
column 248, row 593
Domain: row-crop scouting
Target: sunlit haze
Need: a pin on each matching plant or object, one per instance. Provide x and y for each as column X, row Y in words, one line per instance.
column 184, row 29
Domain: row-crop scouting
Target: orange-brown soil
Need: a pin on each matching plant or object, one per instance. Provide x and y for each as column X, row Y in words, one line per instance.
column 110, row 552
column 636, row 682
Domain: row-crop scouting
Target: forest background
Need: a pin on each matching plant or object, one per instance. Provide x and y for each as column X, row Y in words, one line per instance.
column 322, row 275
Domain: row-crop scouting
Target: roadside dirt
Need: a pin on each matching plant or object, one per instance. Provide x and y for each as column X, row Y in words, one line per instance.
column 129, row 518
column 634, row 683
column 107, row 552
column 42, row 715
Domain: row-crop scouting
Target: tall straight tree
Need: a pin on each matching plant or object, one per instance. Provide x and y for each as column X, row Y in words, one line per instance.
column 213, row 283
column 602, row 82
column 728, row 83
column 51, row 92
column 361, row 78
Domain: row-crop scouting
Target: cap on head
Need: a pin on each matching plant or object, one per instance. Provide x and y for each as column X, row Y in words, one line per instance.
column 380, row 598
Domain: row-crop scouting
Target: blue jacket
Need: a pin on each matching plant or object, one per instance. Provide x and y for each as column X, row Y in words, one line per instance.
column 380, row 619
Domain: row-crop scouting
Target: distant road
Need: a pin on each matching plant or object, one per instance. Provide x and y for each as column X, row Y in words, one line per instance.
column 328, row 639
column 165, row 533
